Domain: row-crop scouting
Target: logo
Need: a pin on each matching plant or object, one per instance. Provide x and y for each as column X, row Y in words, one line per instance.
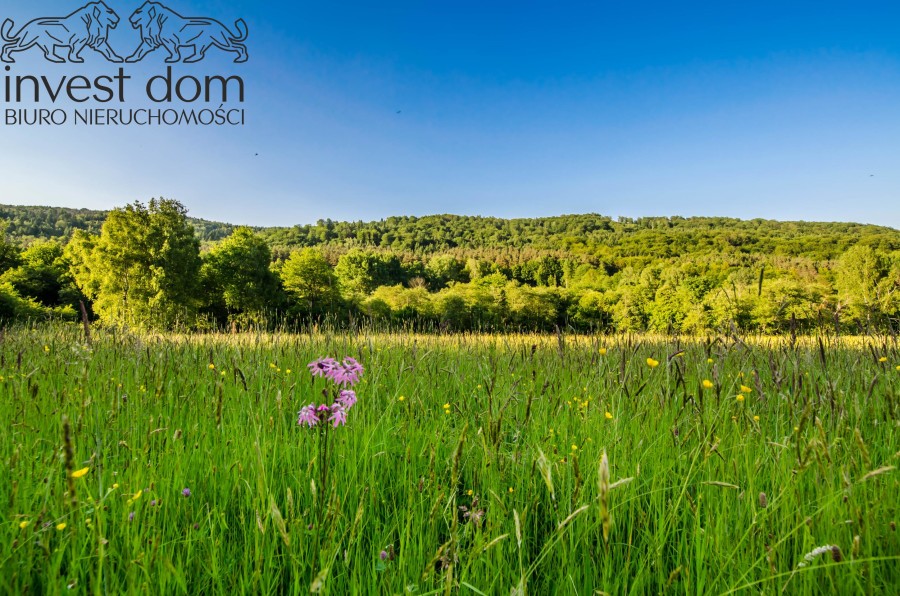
column 163, row 27
column 117, row 98
column 88, row 27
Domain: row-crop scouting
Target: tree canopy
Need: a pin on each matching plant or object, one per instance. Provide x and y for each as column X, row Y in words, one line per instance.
column 141, row 265
column 143, row 268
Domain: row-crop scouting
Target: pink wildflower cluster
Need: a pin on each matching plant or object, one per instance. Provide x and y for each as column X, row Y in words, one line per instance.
column 341, row 374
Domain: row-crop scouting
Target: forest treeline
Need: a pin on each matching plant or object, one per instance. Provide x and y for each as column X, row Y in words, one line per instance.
column 150, row 266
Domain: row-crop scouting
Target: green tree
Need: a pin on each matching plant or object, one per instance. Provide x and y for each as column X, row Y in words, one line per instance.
column 237, row 274
column 360, row 272
column 13, row 306
column 143, row 269
column 309, row 279
column 443, row 269
column 44, row 276
column 9, row 252
column 859, row 272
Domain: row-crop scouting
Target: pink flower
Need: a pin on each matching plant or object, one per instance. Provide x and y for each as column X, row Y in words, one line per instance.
column 352, row 365
column 336, row 375
column 308, row 416
column 342, row 376
column 338, row 415
column 345, row 373
column 346, row 398
column 322, row 367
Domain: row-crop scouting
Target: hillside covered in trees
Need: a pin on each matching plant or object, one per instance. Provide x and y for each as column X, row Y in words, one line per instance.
column 152, row 266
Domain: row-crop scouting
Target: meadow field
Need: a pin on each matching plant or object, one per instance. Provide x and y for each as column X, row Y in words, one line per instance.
column 470, row 464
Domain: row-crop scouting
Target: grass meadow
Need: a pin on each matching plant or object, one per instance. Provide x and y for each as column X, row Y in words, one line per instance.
column 471, row 464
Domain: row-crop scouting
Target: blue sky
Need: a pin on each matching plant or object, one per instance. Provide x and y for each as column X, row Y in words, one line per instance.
column 782, row 110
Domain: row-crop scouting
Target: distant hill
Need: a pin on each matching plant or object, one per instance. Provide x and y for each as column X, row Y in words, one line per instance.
column 601, row 236
column 597, row 236
column 27, row 224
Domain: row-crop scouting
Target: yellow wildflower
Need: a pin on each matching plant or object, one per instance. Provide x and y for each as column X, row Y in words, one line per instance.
column 212, row 366
column 652, row 363
column 707, row 384
column 740, row 397
column 60, row 526
column 609, row 416
column 709, row 360
column 80, row 473
column 23, row 524
column 745, row 389
column 882, row 359
column 603, row 351
column 756, row 418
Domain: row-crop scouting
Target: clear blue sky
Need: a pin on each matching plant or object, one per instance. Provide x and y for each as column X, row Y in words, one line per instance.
column 785, row 110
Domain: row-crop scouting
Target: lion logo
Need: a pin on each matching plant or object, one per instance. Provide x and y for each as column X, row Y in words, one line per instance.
column 87, row 27
column 163, row 27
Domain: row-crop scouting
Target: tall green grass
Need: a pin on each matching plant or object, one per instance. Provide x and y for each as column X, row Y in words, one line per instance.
column 470, row 464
